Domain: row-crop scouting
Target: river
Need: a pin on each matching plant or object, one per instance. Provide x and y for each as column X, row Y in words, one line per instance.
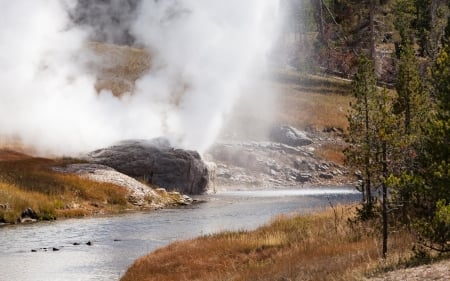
column 27, row 254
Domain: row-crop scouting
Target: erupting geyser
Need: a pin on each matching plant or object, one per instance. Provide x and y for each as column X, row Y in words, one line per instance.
column 201, row 53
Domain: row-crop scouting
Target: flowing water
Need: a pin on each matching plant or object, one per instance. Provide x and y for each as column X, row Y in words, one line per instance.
column 27, row 251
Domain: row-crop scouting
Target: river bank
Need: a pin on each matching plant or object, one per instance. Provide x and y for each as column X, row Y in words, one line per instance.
column 319, row 246
column 40, row 189
column 117, row 241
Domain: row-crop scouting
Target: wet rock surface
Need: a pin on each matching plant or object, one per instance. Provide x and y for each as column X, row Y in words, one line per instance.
column 28, row 215
column 269, row 164
column 156, row 162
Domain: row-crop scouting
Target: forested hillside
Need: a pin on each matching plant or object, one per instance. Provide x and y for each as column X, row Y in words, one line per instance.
column 329, row 35
column 399, row 135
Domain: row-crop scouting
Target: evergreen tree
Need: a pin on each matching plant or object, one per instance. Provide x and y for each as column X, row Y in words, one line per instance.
column 410, row 96
column 411, row 105
column 373, row 138
column 404, row 13
column 359, row 154
column 433, row 197
column 385, row 142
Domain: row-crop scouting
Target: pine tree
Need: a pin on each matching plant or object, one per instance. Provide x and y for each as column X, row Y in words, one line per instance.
column 359, row 154
column 412, row 106
column 374, row 142
column 404, row 17
column 433, row 197
column 385, row 142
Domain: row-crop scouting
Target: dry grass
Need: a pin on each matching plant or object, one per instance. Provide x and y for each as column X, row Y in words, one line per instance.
column 313, row 102
column 120, row 67
column 29, row 182
column 332, row 152
column 315, row 247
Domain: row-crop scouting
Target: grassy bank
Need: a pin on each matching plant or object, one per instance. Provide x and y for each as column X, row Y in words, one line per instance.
column 322, row 246
column 28, row 182
column 312, row 102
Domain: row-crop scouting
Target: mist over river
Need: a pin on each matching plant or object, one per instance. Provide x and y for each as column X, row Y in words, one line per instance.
column 59, row 250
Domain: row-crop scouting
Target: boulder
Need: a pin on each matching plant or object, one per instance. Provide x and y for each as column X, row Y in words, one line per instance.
column 289, row 135
column 156, row 162
column 28, row 215
column 326, row 176
column 303, row 177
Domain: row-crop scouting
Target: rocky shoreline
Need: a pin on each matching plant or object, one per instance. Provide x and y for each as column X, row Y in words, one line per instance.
column 157, row 175
column 275, row 163
column 140, row 194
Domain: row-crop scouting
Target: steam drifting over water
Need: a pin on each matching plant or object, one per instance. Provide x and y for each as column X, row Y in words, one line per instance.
column 202, row 52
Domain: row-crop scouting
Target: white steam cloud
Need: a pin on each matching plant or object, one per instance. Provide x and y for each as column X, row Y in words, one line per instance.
column 202, row 51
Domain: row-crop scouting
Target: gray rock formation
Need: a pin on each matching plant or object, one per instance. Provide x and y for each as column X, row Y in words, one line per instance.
column 156, row 162
column 139, row 193
column 289, row 135
column 273, row 164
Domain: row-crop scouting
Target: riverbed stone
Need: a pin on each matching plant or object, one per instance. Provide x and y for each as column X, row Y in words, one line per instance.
column 326, row 176
column 303, row 177
column 29, row 215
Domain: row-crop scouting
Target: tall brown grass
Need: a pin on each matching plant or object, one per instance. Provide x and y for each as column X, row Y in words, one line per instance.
column 332, row 152
column 27, row 182
column 313, row 102
column 323, row 246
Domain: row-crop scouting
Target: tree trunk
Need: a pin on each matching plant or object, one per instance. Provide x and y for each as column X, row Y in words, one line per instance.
column 372, row 32
column 385, row 216
column 322, row 21
column 367, row 156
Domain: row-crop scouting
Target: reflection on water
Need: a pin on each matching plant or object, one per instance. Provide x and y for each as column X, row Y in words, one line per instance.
column 118, row 241
column 290, row 192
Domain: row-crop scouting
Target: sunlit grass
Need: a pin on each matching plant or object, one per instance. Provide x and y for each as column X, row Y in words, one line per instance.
column 312, row 110
column 28, row 182
column 331, row 152
column 313, row 102
column 314, row 247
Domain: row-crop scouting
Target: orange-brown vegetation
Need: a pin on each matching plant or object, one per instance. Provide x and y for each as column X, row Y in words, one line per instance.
column 313, row 102
column 331, row 152
column 28, row 182
column 120, row 67
column 322, row 246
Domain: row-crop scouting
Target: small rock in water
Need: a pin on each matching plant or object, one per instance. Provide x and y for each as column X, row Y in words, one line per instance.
column 89, row 243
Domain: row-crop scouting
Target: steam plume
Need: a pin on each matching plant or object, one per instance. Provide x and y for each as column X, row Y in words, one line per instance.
column 201, row 53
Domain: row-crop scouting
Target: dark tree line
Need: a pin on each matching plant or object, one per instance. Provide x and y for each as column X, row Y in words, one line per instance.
column 339, row 31
column 399, row 139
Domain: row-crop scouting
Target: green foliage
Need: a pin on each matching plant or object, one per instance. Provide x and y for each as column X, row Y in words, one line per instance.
column 359, row 153
column 405, row 13
column 401, row 141
column 435, row 233
column 410, row 98
column 425, row 188
column 436, row 157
